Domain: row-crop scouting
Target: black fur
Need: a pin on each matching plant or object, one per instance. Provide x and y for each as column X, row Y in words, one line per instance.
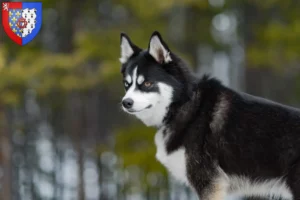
column 258, row 138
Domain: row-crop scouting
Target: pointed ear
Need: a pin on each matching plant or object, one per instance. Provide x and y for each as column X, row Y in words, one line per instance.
column 158, row 49
column 127, row 48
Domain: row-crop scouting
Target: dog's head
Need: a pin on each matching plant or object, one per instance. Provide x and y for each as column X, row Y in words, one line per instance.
column 153, row 79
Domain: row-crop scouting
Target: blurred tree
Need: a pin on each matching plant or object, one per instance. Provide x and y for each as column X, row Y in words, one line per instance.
column 5, row 138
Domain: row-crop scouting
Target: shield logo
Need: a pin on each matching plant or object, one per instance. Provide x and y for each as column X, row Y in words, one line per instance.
column 22, row 21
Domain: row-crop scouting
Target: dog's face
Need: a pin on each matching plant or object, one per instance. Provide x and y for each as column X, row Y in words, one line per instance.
column 150, row 89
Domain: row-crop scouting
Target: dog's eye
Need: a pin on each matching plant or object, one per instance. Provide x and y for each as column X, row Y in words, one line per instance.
column 147, row 83
column 126, row 84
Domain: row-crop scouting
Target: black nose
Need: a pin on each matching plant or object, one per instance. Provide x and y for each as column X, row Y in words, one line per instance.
column 127, row 103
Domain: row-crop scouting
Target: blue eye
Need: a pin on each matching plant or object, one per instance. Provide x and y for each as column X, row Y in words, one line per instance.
column 126, row 84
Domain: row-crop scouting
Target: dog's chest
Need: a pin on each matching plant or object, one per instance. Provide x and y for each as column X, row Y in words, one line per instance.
column 175, row 162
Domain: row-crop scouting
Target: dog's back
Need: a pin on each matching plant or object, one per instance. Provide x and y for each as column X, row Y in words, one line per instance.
column 259, row 132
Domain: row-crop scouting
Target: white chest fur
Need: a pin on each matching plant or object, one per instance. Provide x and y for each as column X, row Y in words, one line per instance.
column 175, row 162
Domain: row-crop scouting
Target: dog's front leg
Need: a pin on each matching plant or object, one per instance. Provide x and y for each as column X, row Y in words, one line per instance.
column 206, row 177
column 217, row 191
column 213, row 189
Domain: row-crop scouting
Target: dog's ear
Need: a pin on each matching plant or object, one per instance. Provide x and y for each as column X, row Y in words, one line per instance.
column 158, row 49
column 128, row 49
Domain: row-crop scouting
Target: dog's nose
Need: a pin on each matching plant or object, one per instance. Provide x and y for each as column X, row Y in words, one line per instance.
column 127, row 103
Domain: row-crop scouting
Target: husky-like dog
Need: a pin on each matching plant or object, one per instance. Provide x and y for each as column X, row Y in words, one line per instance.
column 220, row 142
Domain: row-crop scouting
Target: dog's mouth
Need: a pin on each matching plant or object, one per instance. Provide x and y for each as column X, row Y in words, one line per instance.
column 132, row 111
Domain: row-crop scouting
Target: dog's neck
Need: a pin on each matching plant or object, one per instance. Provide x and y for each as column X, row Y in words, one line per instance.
column 179, row 114
column 182, row 113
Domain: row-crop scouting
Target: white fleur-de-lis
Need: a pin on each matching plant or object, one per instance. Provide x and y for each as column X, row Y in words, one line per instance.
column 5, row 6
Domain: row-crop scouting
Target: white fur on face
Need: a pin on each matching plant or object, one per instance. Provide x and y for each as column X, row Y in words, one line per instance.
column 140, row 79
column 126, row 50
column 128, row 79
column 155, row 115
column 157, row 48
column 157, row 101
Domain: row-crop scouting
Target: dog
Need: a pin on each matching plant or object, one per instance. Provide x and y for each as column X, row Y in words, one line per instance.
column 220, row 142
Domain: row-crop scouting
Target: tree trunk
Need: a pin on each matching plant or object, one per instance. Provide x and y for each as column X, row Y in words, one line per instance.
column 5, row 157
column 69, row 11
column 5, row 146
column 75, row 127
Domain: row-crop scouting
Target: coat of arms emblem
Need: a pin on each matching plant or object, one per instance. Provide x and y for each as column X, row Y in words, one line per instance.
column 22, row 21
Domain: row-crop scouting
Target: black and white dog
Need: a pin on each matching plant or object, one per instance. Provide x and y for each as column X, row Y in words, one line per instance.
column 220, row 142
